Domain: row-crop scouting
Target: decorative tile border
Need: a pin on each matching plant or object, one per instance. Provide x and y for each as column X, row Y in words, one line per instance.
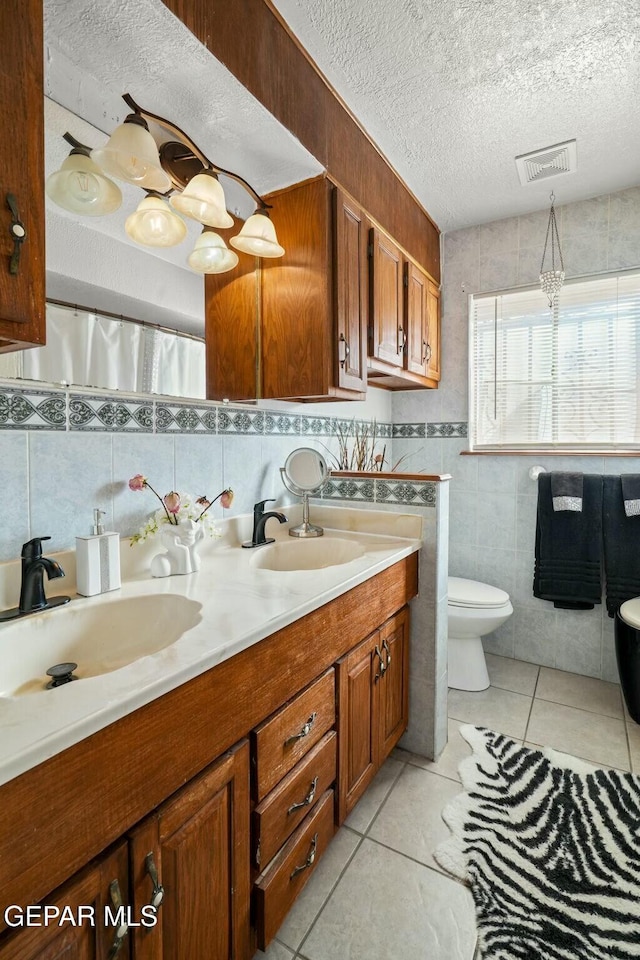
column 408, row 430
column 282, row 424
column 351, row 489
column 316, row 426
column 185, row 418
column 32, row 409
column 447, row 430
column 116, row 416
column 419, row 493
column 232, row 420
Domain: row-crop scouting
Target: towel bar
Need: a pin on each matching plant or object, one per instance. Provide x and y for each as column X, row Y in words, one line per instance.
column 534, row 472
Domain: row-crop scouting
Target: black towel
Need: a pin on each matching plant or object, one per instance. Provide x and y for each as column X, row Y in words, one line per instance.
column 631, row 493
column 621, row 547
column 568, row 547
column 566, row 491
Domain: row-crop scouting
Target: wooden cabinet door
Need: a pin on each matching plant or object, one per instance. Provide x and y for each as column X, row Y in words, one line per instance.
column 386, row 323
column 433, row 326
column 88, row 938
column 394, row 686
column 199, row 841
column 358, row 676
column 350, row 274
column 22, row 317
column 417, row 321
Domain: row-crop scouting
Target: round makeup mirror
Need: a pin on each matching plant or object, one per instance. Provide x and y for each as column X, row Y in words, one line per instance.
column 305, row 472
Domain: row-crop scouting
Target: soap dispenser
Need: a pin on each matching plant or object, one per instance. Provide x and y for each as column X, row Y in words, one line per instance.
column 97, row 559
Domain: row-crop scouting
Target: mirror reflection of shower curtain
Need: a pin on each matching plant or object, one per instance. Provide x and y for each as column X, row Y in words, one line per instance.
column 88, row 349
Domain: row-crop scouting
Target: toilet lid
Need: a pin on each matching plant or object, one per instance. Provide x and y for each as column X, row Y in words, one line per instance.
column 630, row 612
column 472, row 593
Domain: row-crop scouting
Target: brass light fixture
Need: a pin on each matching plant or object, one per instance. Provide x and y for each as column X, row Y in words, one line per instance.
column 552, row 277
column 177, row 179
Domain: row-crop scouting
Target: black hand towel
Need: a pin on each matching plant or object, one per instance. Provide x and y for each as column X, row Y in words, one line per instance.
column 568, row 547
column 621, row 547
column 631, row 493
column 566, row 491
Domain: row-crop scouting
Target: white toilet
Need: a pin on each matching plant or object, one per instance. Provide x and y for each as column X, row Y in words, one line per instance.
column 475, row 609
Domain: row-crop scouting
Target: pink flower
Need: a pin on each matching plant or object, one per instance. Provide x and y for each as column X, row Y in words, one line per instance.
column 138, row 482
column 172, row 501
column 226, row 498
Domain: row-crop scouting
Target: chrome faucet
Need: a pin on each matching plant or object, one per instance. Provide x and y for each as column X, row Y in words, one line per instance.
column 34, row 567
column 259, row 522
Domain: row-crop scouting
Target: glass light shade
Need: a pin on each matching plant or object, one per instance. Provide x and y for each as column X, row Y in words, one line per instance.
column 131, row 154
column 80, row 187
column 211, row 254
column 203, row 199
column 154, row 224
column 258, row 237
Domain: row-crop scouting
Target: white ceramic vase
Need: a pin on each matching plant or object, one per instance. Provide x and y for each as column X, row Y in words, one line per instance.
column 181, row 544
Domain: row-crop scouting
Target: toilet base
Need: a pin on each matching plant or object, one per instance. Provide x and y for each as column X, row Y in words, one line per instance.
column 467, row 665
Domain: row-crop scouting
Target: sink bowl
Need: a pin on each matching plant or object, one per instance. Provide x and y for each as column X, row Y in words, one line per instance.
column 315, row 554
column 100, row 636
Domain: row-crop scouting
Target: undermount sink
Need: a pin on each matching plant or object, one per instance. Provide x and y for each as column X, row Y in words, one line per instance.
column 100, row 636
column 312, row 554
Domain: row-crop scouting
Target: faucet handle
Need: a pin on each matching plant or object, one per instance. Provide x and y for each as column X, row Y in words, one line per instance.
column 32, row 549
column 258, row 508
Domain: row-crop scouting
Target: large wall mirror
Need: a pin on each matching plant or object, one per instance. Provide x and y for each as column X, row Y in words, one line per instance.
column 94, row 53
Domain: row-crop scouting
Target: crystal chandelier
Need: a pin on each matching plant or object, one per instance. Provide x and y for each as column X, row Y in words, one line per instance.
column 552, row 276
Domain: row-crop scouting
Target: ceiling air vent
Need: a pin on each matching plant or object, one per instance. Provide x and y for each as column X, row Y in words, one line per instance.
column 548, row 162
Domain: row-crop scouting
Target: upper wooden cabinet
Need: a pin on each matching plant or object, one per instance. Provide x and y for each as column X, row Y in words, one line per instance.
column 404, row 319
column 296, row 327
column 22, row 286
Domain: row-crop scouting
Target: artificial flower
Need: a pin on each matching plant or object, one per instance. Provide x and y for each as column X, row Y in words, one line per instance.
column 172, row 502
column 177, row 507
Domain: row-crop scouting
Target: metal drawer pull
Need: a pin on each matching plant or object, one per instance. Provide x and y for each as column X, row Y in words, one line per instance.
column 347, row 349
column 157, row 894
column 385, row 646
column 308, row 800
column 383, row 665
column 402, row 339
column 306, row 730
column 123, row 928
column 309, row 861
column 18, row 233
column 426, row 356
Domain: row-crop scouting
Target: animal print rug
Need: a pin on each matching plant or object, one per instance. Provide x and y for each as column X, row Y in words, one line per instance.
column 550, row 847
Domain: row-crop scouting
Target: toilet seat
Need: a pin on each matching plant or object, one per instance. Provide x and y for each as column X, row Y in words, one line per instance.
column 473, row 594
column 630, row 612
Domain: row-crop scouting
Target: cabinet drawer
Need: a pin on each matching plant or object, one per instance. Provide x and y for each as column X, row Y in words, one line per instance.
column 279, row 885
column 291, row 732
column 275, row 819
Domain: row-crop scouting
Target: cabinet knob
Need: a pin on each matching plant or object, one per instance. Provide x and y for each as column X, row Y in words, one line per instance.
column 306, row 730
column 309, row 861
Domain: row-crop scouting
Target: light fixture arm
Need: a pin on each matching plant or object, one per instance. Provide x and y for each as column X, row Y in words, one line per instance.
column 193, row 147
column 77, row 146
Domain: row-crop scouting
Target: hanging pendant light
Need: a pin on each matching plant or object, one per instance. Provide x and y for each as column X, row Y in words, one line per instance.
column 154, row 224
column 79, row 186
column 203, row 200
column 211, row 254
column 131, row 154
column 258, row 236
column 552, row 276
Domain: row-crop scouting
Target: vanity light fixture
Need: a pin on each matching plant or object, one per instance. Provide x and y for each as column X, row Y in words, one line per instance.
column 551, row 278
column 177, row 177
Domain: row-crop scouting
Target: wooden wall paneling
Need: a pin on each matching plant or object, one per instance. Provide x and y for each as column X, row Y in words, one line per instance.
column 249, row 38
column 94, row 802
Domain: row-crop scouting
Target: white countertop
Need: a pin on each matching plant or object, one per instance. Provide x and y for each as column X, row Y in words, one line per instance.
column 240, row 605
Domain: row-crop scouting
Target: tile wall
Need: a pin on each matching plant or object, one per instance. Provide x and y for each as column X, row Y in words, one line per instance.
column 492, row 499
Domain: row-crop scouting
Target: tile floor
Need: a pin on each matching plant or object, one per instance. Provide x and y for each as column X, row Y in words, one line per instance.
column 378, row 894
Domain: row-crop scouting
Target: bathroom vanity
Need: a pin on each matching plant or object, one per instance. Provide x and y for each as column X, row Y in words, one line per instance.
column 215, row 799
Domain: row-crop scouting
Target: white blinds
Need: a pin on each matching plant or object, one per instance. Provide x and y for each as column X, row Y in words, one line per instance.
column 566, row 379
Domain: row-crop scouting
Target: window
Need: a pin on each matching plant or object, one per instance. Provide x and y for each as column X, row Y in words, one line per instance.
column 565, row 379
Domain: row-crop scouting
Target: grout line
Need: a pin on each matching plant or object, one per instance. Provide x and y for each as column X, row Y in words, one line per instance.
column 439, row 871
column 591, row 713
column 533, row 697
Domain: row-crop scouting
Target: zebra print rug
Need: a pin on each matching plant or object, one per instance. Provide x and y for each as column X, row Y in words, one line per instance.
column 550, row 847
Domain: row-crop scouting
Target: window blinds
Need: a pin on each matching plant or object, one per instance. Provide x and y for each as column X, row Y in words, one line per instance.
column 566, row 378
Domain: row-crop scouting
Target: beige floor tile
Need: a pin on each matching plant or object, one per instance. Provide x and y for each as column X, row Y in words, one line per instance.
column 449, row 760
column 633, row 731
column 497, row 709
column 365, row 810
column 309, row 903
column 568, row 756
column 387, row 907
column 514, row 675
column 411, row 820
column 275, row 951
column 586, row 693
column 588, row 735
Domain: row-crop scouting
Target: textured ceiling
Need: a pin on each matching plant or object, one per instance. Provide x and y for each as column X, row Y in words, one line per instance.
column 453, row 90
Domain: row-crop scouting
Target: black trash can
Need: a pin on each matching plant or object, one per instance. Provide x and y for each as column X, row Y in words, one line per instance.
column 627, row 633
